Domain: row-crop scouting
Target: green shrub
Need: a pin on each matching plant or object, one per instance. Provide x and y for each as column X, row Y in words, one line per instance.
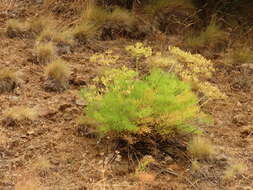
column 158, row 104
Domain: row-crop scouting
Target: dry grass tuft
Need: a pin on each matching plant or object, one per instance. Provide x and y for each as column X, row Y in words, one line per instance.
column 38, row 24
column 45, row 52
column 235, row 169
column 21, row 113
column 8, row 80
column 58, row 70
column 57, row 73
column 201, row 148
column 212, row 36
column 16, row 28
column 242, row 55
column 97, row 21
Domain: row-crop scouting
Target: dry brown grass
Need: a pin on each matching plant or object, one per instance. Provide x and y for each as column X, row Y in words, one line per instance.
column 200, row 147
column 235, row 168
column 242, row 55
column 45, row 52
column 8, row 80
column 95, row 18
column 16, row 28
column 7, row 73
column 21, row 113
column 212, row 36
column 58, row 70
column 38, row 24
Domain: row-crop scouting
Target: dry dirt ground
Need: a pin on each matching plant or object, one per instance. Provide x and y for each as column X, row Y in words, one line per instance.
column 51, row 153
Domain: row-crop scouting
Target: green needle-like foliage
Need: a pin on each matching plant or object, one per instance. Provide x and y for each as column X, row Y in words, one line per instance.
column 158, row 104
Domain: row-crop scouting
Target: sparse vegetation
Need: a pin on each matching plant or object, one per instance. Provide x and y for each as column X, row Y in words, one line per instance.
column 21, row 113
column 16, row 28
column 211, row 37
column 104, row 24
column 201, row 148
column 242, row 55
column 57, row 73
column 45, row 52
column 8, row 80
column 234, row 169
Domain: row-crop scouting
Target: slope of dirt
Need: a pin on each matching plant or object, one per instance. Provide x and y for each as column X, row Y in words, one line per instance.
column 52, row 150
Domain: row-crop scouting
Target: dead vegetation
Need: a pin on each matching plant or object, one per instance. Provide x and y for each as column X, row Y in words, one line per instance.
column 16, row 115
column 45, row 52
column 8, row 80
column 201, row 148
column 57, row 76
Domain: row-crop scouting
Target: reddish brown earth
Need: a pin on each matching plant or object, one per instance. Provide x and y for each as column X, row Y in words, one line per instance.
column 52, row 153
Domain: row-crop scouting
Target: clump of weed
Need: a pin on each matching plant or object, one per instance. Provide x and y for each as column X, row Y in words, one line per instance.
column 18, row 114
column 201, row 148
column 106, row 58
column 16, row 28
column 212, row 37
column 57, row 74
column 234, row 169
column 8, row 80
column 158, row 104
column 45, row 52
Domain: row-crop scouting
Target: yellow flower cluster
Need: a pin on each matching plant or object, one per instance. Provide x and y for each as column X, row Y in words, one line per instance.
column 195, row 68
column 106, row 58
column 138, row 50
column 159, row 60
column 196, row 63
